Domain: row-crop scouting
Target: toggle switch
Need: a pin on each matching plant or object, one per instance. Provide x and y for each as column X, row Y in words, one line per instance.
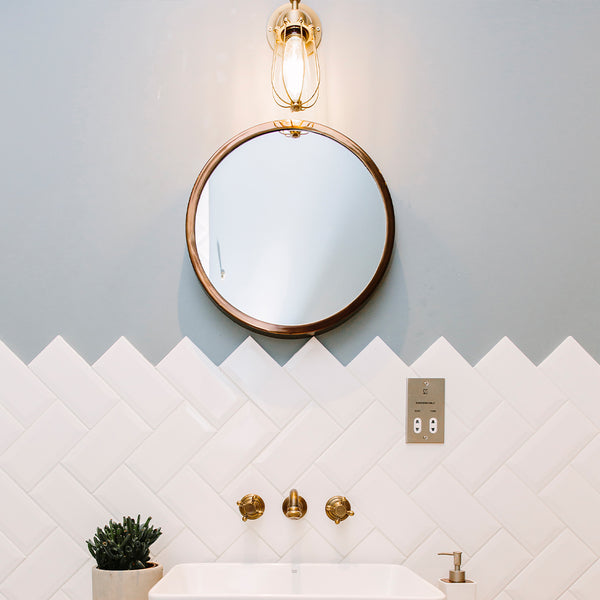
column 425, row 401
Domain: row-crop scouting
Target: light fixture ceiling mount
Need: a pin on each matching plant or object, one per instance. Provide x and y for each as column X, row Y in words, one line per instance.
column 294, row 34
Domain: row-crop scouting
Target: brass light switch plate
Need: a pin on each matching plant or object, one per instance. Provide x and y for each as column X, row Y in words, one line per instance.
column 425, row 399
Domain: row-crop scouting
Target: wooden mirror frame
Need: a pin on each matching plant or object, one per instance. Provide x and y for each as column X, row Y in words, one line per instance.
column 273, row 329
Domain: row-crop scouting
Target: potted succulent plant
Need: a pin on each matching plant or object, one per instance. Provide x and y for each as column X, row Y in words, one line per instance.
column 124, row 569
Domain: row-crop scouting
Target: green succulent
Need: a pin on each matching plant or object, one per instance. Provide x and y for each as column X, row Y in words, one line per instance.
column 123, row 546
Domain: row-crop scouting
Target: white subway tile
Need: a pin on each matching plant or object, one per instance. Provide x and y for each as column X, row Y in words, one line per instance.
column 202, row 510
column 266, row 382
column 384, row 374
column 185, row 548
column 520, row 382
column 201, row 382
column 552, row 571
column 360, row 446
column 249, row 548
column 297, row 446
column 496, row 564
column 375, row 548
column 329, row 382
column 586, row 587
column 487, row 447
column 170, row 446
column 552, row 447
column 79, row 586
column 56, row 559
column 566, row 596
column 461, row 516
column 106, row 446
column 520, row 510
column 312, row 548
column 10, row 429
column 577, row 503
column 73, row 508
column 42, row 446
column 21, row 392
column 402, row 520
column 71, row 378
column 10, row 556
column 147, row 392
column 586, row 462
column 21, row 519
column 577, row 374
column 234, row 446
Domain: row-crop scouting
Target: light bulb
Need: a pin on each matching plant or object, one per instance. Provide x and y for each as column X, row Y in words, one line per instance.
column 293, row 67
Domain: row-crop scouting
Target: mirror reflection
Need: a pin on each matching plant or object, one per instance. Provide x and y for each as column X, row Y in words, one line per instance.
column 288, row 229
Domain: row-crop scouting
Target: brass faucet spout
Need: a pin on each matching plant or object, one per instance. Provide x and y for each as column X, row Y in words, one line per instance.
column 294, row 506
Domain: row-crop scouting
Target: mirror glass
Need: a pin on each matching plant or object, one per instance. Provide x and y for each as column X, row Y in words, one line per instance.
column 289, row 229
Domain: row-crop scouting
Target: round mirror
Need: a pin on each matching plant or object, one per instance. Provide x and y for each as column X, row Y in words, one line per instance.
column 290, row 228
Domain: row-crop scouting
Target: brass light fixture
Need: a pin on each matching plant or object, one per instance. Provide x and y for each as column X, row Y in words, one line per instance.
column 294, row 34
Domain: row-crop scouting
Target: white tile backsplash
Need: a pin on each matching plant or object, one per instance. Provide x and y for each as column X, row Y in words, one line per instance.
column 329, row 382
column 552, row 571
column 40, row 447
column 46, row 569
column 586, row 587
column 513, row 487
column 21, row 392
column 391, row 510
column 76, row 384
column 265, row 382
column 10, row 556
column 496, row 564
column 455, row 510
column 137, row 382
column 520, row 510
column 201, row 382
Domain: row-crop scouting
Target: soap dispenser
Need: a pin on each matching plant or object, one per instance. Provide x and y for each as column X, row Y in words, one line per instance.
column 456, row 586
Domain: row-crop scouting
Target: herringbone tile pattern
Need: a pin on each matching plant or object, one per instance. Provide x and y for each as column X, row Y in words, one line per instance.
column 516, row 486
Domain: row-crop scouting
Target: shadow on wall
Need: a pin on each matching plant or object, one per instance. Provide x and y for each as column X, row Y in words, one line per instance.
column 217, row 335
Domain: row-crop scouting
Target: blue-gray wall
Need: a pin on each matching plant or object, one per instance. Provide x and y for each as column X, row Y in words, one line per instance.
column 482, row 115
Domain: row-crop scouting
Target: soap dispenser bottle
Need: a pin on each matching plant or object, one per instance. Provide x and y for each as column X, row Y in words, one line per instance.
column 457, row 586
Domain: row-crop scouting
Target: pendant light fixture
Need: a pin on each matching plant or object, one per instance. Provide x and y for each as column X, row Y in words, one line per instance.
column 294, row 34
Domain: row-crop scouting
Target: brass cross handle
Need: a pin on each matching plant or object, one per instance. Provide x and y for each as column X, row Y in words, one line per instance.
column 251, row 507
column 338, row 509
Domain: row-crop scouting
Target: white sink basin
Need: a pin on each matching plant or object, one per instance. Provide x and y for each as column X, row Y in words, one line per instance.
column 284, row 581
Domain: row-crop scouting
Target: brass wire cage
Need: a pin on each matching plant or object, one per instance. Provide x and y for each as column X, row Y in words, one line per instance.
column 294, row 34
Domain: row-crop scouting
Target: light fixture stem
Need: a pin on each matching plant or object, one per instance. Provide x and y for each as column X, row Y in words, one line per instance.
column 294, row 4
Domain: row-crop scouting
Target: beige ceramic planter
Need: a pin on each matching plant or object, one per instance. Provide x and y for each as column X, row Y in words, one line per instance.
column 124, row 585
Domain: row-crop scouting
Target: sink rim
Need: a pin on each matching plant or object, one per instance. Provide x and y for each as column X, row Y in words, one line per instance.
column 157, row 593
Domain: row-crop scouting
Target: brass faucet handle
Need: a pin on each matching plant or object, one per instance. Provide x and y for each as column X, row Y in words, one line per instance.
column 338, row 509
column 251, row 507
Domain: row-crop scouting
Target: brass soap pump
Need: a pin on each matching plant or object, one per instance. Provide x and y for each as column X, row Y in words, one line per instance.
column 456, row 575
column 457, row 586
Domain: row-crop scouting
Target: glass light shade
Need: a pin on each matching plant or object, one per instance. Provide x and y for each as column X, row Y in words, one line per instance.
column 295, row 73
